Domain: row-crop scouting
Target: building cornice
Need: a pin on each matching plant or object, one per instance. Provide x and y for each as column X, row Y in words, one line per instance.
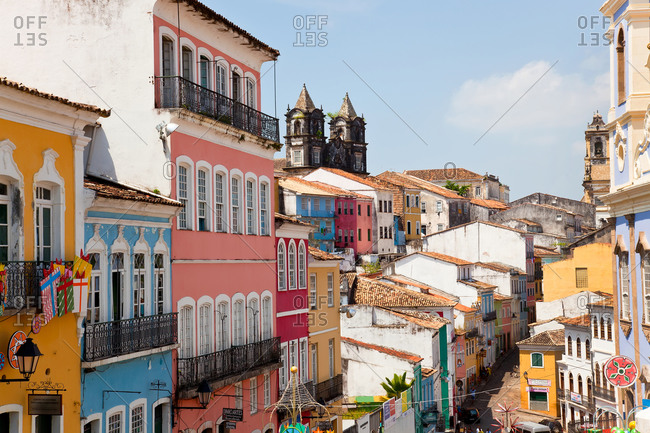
column 628, row 199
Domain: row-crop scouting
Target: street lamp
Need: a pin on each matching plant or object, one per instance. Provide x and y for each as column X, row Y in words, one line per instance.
column 204, row 392
column 27, row 356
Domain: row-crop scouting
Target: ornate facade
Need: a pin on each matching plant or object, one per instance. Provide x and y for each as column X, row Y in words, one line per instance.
column 306, row 145
column 597, row 176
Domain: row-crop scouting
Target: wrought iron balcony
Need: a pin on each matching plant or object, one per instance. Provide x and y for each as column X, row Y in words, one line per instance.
column 329, row 389
column 24, row 283
column 489, row 316
column 121, row 337
column 472, row 333
column 219, row 365
column 605, row 394
column 177, row 92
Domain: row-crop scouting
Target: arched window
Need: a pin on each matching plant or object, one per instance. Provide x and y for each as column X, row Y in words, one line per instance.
column 202, row 194
column 292, row 266
column 624, row 275
column 222, row 80
column 184, row 194
column 579, row 384
column 571, row 382
column 238, row 323
column 223, row 326
column 597, row 374
column 220, row 194
column 235, row 200
column 589, row 388
column 264, row 209
column 187, row 329
column 250, row 93
column 251, row 220
column 267, row 318
column 302, row 267
column 253, row 321
column 204, row 72
column 297, row 127
column 205, row 329
column 569, row 346
column 282, row 258
column 609, row 330
column 578, row 348
column 187, row 70
column 602, row 328
column 620, row 66
column 595, row 327
column 167, row 57
column 587, row 349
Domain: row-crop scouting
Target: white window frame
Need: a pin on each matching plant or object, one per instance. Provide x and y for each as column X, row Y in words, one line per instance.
column 186, row 327
column 251, row 205
column 296, row 157
column 330, row 289
column 624, row 274
column 531, row 360
column 185, row 217
column 187, row 48
column 167, row 33
column 331, row 354
column 265, row 202
column 140, row 288
column 267, row 390
column 40, row 205
column 236, row 224
column 304, row 356
column 251, row 92
column 239, row 396
column 203, row 195
column 314, row 362
column 143, row 403
column 282, row 265
column 284, row 370
column 15, row 417
column 221, row 86
column 267, row 315
column 222, row 322
column 205, row 325
column 313, row 290
column 121, row 410
column 253, row 317
column 49, row 177
column 120, row 246
column 293, row 354
column 165, row 402
column 252, row 393
column 238, row 321
column 291, row 265
column 302, row 266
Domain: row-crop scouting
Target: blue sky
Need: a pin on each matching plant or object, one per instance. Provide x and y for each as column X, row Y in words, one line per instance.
column 450, row 70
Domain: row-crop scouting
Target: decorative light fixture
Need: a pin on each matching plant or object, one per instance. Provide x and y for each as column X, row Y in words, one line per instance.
column 165, row 129
column 349, row 311
column 27, row 356
column 204, row 392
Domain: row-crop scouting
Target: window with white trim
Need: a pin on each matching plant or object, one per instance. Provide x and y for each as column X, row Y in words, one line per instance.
column 235, row 203
column 304, row 355
column 115, row 423
column 314, row 362
column 408, row 227
column 222, row 79
column 117, row 285
column 137, row 419
column 239, row 396
column 331, row 356
column 417, row 227
column 93, row 312
column 204, row 72
column 251, row 222
column 187, row 64
column 330, row 289
column 202, row 200
column 183, row 197
column 282, row 373
column 223, row 325
column 253, row 321
column 312, row 291
column 302, row 267
column 239, row 336
column 537, row 360
column 205, row 343
column 167, row 57
column 44, row 225
column 219, row 204
column 5, row 217
column 187, row 328
column 159, row 282
column 296, row 157
column 267, row 318
column 292, row 266
column 624, row 275
column 139, row 285
column 439, row 206
column 252, row 393
column 264, row 209
column 250, row 93
column 282, row 257
column 267, row 390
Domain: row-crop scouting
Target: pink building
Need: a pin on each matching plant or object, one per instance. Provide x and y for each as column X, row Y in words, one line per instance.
column 207, row 77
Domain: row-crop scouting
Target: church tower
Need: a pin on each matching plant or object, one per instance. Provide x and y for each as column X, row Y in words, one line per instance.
column 347, row 146
column 305, row 139
column 597, row 175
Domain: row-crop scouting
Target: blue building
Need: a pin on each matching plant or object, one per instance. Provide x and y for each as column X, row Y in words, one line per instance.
column 129, row 330
column 312, row 204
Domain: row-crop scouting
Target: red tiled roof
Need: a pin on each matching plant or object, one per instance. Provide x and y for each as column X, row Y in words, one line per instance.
column 339, row 191
column 110, row 189
column 464, row 308
column 500, row 267
column 544, row 251
column 288, row 219
column 582, row 321
column 407, row 181
column 445, row 258
column 490, row 204
column 419, row 318
column 500, row 297
column 368, row 181
column 381, row 294
column 478, row 284
column 209, row 14
column 443, row 174
column 322, row 255
column 392, row 352
column 86, row 107
column 303, row 186
column 547, row 338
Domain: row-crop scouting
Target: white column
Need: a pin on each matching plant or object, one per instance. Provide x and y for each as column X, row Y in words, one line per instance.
column 79, row 143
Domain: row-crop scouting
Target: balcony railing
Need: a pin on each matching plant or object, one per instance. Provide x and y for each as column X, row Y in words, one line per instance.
column 583, row 400
column 177, row 92
column 492, row 315
column 23, row 282
column 228, row 362
column 604, row 393
column 329, row 389
column 121, row 337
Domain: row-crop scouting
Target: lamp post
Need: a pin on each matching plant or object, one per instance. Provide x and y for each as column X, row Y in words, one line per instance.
column 204, row 393
column 27, row 356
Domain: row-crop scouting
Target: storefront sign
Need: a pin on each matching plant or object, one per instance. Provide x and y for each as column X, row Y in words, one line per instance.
column 539, row 382
column 577, row 398
column 233, row 414
column 44, row 404
column 231, row 425
column 536, row 389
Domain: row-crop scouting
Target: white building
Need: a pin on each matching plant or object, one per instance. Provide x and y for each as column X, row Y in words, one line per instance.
column 382, row 210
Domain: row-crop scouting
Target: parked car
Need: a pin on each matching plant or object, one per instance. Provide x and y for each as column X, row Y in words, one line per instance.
column 469, row 416
column 555, row 426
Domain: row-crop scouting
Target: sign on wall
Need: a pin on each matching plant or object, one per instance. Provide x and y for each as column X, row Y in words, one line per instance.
column 233, row 414
column 44, row 404
column 539, row 382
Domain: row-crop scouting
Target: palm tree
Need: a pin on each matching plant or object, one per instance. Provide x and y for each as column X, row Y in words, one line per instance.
column 396, row 386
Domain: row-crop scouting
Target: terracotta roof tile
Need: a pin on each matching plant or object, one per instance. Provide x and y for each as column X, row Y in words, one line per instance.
column 490, row 204
column 445, row 258
column 407, row 181
column 368, row 181
column 212, row 15
column 500, row 297
column 86, row 107
column 544, row 251
column 339, row 191
column 478, row 284
column 392, row 352
column 322, row 255
column 420, row 318
column 382, row 294
column 302, row 186
column 500, row 267
column 288, row 219
column 464, row 308
column 582, row 321
column 547, row 338
column 443, row 174
column 527, row 222
column 110, row 189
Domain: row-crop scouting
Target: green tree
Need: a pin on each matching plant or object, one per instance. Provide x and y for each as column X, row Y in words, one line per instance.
column 371, row 267
column 460, row 189
column 396, row 386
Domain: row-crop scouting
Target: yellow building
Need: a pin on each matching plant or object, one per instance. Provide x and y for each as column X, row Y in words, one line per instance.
column 325, row 334
column 41, row 178
column 589, row 268
column 538, row 356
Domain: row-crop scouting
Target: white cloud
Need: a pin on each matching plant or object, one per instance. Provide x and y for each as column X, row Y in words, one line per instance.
column 556, row 104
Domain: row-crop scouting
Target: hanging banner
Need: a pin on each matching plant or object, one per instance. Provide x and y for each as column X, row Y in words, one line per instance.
column 64, row 296
column 48, row 295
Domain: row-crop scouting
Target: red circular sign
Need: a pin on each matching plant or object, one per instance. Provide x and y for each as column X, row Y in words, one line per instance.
column 36, row 324
column 621, row 371
column 15, row 342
